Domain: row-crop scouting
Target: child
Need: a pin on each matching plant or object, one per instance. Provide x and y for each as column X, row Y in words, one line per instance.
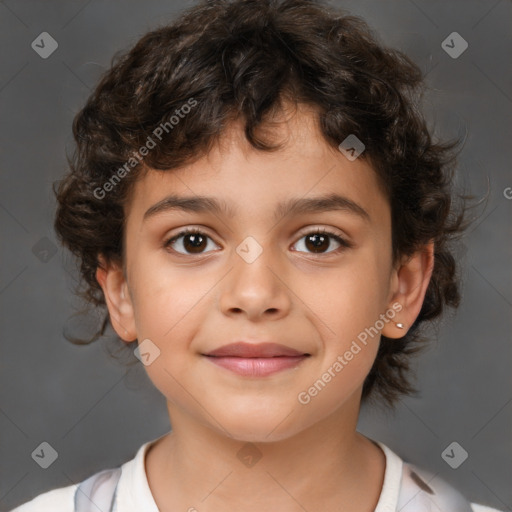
column 257, row 201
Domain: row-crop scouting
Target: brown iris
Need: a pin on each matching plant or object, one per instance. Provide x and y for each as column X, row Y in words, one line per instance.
column 194, row 242
column 314, row 242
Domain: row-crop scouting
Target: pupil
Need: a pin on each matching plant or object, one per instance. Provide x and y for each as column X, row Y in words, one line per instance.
column 197, row 241
column 317, row 244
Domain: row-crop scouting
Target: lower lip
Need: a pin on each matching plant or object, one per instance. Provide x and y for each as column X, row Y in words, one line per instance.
column 257, row 366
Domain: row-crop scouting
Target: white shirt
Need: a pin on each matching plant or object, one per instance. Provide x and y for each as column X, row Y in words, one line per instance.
column 134, row 495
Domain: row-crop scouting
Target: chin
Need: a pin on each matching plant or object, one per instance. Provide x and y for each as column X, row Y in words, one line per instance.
column 261, row 427
column 250, row 435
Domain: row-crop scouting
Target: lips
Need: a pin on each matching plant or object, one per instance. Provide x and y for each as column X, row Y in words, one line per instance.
column 242, row 349
column 256, row 360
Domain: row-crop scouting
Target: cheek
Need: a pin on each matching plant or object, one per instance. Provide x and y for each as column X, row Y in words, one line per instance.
column 166, row 300
column 169, row 312
column 345, row 300
column 345, row 308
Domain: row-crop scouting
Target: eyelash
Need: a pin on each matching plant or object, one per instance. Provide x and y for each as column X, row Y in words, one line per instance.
column 194, row 231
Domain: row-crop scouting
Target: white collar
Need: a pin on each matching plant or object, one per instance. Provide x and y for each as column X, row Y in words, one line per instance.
column 388, row 498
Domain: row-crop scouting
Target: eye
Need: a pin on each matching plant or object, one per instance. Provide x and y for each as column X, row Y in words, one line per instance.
column 320, row 240
column 194, row 241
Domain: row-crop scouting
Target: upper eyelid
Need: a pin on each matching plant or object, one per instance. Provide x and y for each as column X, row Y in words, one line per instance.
column 302, row 231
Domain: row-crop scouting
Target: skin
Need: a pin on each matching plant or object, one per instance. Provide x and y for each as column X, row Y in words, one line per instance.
column 312, row 457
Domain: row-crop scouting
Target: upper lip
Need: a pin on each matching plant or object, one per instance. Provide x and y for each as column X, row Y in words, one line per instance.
column 242, row 349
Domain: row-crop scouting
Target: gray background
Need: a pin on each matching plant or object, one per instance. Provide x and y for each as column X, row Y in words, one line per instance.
column 80, row 401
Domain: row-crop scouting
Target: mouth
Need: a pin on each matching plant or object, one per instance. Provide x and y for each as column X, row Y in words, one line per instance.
column 256, row 360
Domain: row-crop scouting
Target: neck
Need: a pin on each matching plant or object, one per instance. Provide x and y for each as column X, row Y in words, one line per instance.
column 329, row 466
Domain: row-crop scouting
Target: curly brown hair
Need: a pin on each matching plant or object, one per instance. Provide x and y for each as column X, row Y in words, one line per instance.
column 240, row 60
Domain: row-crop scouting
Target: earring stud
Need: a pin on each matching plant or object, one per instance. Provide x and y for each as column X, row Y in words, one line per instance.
column 399, row 325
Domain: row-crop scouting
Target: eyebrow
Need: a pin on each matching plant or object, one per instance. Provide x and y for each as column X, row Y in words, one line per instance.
column 204, row 204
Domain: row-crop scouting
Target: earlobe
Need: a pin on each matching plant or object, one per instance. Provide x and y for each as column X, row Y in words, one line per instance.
column 115, row 289
column 410, row 283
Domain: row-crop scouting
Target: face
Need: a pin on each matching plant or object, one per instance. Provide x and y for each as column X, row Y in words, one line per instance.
column 316, row 280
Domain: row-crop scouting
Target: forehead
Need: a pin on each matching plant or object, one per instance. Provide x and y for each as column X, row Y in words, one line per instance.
column 243, row 179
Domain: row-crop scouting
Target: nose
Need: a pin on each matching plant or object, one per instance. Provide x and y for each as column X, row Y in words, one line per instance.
column 256, row 289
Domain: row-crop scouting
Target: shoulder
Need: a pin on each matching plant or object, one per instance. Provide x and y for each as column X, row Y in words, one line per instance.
column 482, row 508
column 102, row 484
column 421, row 487
column 98, row 489
column 56, row 500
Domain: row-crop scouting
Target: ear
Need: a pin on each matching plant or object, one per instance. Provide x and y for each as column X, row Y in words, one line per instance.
column 408, row 288
column 119, row 304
